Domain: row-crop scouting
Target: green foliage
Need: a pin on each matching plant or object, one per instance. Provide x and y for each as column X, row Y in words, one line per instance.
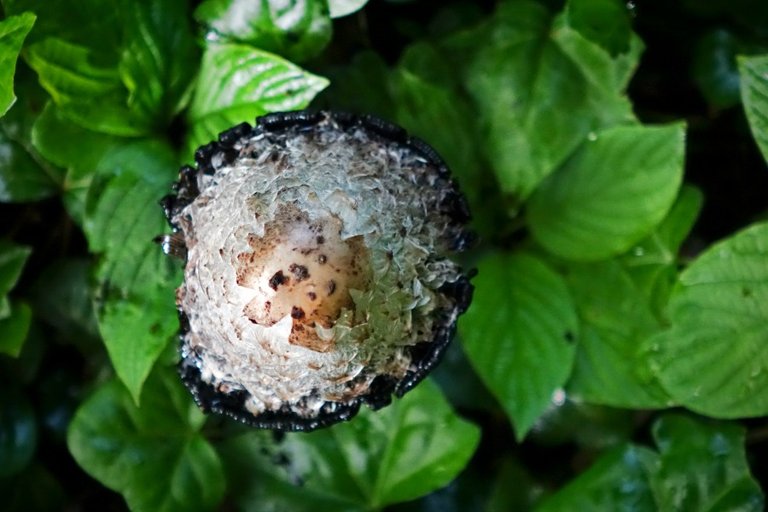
column 297, row 29
column 602, row 298
column 636, row 478
column 717, row 363
column 413, row 447
column 754, row 93
column 522, row 320
column 154, row 455
column 241, row 83
column 12, row 33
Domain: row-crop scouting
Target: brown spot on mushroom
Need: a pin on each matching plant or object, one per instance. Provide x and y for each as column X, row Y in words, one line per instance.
column 278, row 279
column 331, row 287
column 297, row 313
column 320, row 240
column 322, row 259
column 312, row 295
column 300, row 271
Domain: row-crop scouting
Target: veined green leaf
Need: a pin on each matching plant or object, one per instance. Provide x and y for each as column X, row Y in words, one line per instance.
column 540, row 88
column 610, row 194
column 238, row 83
column 611, row 368
column 714, row 359
column 520, row 334
column 136, row 312
column 13, row 30
column 153, row 455
column 698, row 467
column 295, row 29
column 119, row 67
column 702, row 466
column 412, row 447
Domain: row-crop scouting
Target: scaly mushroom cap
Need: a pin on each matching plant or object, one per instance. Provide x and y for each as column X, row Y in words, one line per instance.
column 318, row 272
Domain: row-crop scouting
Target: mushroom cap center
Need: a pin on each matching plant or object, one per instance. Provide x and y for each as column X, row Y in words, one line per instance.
column 302, row 268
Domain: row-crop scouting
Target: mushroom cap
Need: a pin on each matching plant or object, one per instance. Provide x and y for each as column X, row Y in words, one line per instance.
column 319, row 272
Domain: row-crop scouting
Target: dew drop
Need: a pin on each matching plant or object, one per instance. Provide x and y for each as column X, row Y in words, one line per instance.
column 592, row 136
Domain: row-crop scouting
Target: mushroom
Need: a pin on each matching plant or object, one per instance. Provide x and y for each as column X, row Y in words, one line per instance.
column 319, row 271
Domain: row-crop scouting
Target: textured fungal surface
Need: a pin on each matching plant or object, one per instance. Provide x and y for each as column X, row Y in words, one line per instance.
column 319, row 272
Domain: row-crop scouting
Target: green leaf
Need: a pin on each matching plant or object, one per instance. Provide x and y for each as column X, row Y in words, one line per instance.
column 14, row 329
column 611, row 194
column 116, row 67
column 340, row 8
column 519, row 334
column 296, row 29
column 605, row 22
column 12, row 259
column 754, row 96
column 18, row 432
column 91, row 95
column 714, row 359
column 62, row 297
column 611, row 367
column 703, row 467
column 24, row 175
column 159, row 58
column 619, row 480
column 699, row 467
column 137, row 315
column 540, row 88
column 13, row 31
column 52, row 136
column 652, row 263
column 240, row 83
column 412, row 447
column 153, row 455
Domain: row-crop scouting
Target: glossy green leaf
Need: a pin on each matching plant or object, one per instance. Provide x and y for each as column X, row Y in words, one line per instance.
column 754, row 96
column 136, row 312
column 618, row 480
column 699, row 467
column 14, row 329
column 295, row 29
column 611, row 194
column 18, row 432
column 540, row 87
column 611, row 367
column 714, row 359
column 703, row 466
column 159, row 58
column 12, row 259
column 520, row 334
column 412, row 447
column 341, row 8
column 116, row 67
column 242, row 83
column 13, row 30
column 153, row 455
